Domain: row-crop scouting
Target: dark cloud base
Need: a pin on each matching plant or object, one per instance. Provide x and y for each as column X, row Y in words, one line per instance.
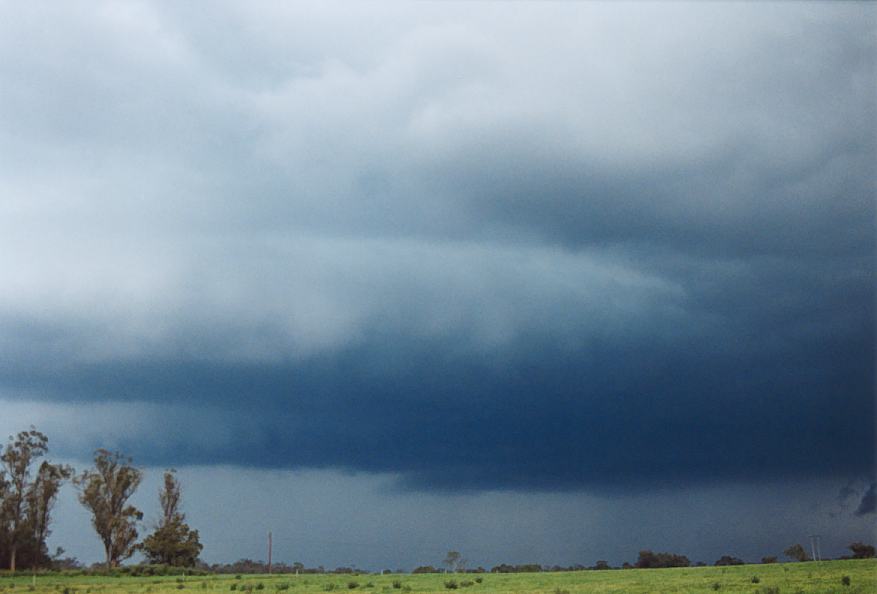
column 533, row 416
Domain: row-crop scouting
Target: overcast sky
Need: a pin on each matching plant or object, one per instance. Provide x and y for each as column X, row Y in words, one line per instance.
column 544, row 282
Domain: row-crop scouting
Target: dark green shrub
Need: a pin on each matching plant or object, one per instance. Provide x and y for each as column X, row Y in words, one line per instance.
column 479, row 579
column 717, row 585
column 233, row 587
column 845, row 580
column 451, row 585
column 755, row 579
column 397, row 584
column 352, row 585
column 466, row 583
column 260, row 586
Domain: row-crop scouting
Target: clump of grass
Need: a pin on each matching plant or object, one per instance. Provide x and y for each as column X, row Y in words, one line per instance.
column 845, row 580
column 397, row 584
column 755, row 579
column 479, row 579
column 352, row 585
column 466, row 583
column 716, row 586
column 559, row 591
column 451, row 585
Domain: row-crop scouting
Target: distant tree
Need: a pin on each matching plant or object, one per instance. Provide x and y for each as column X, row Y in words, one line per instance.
column 728, row 560
column 173, row 542
column 600, row 565
column 425, row 569
column 767, row 560
column 454, row 561
column 861, row 550
column 647, row 560
column 105, row 491
column 796, row 552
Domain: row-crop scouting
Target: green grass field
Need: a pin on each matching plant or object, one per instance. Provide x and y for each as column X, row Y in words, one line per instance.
column 789, row 578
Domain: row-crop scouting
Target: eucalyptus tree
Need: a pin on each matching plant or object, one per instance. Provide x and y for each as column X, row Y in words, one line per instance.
column 26, row 501
column 105, row 491
column 173, row 542
column 41, row 498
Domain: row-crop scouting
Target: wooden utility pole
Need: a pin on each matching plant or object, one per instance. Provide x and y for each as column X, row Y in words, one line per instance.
column 269, row 551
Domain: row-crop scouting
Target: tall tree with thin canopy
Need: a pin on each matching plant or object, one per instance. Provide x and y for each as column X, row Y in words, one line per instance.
column 105, row 491
column 173, row 542
column 41, row 498
column 18, row 456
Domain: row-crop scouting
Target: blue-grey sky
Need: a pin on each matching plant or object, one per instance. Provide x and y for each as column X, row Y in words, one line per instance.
column 388, row 275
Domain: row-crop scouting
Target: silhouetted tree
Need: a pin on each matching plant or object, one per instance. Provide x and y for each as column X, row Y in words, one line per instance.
column 18, row 456
column 647, row 559
column 425, row 569
column 861, row 550
column 767, row 560
column 105, row 491
column 41, row 498
column 728, row 560
column 796, row 552
column 173, row 542
column 454, row 561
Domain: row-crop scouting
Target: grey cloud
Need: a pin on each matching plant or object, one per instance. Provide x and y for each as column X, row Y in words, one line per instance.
column 627, row 230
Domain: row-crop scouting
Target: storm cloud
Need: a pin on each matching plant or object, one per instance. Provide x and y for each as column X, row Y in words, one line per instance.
column 499, row 246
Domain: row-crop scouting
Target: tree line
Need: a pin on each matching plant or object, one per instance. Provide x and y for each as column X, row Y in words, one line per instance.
column 647, row 559
column 30, row 485
column 29, row 488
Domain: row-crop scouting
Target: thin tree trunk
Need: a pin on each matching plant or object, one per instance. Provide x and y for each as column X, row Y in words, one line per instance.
column 12, row 557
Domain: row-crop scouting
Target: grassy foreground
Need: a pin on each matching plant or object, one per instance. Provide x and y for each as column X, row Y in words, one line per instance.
column 790, row 578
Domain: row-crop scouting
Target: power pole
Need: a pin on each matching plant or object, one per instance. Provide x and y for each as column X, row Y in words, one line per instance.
column 269, row 552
